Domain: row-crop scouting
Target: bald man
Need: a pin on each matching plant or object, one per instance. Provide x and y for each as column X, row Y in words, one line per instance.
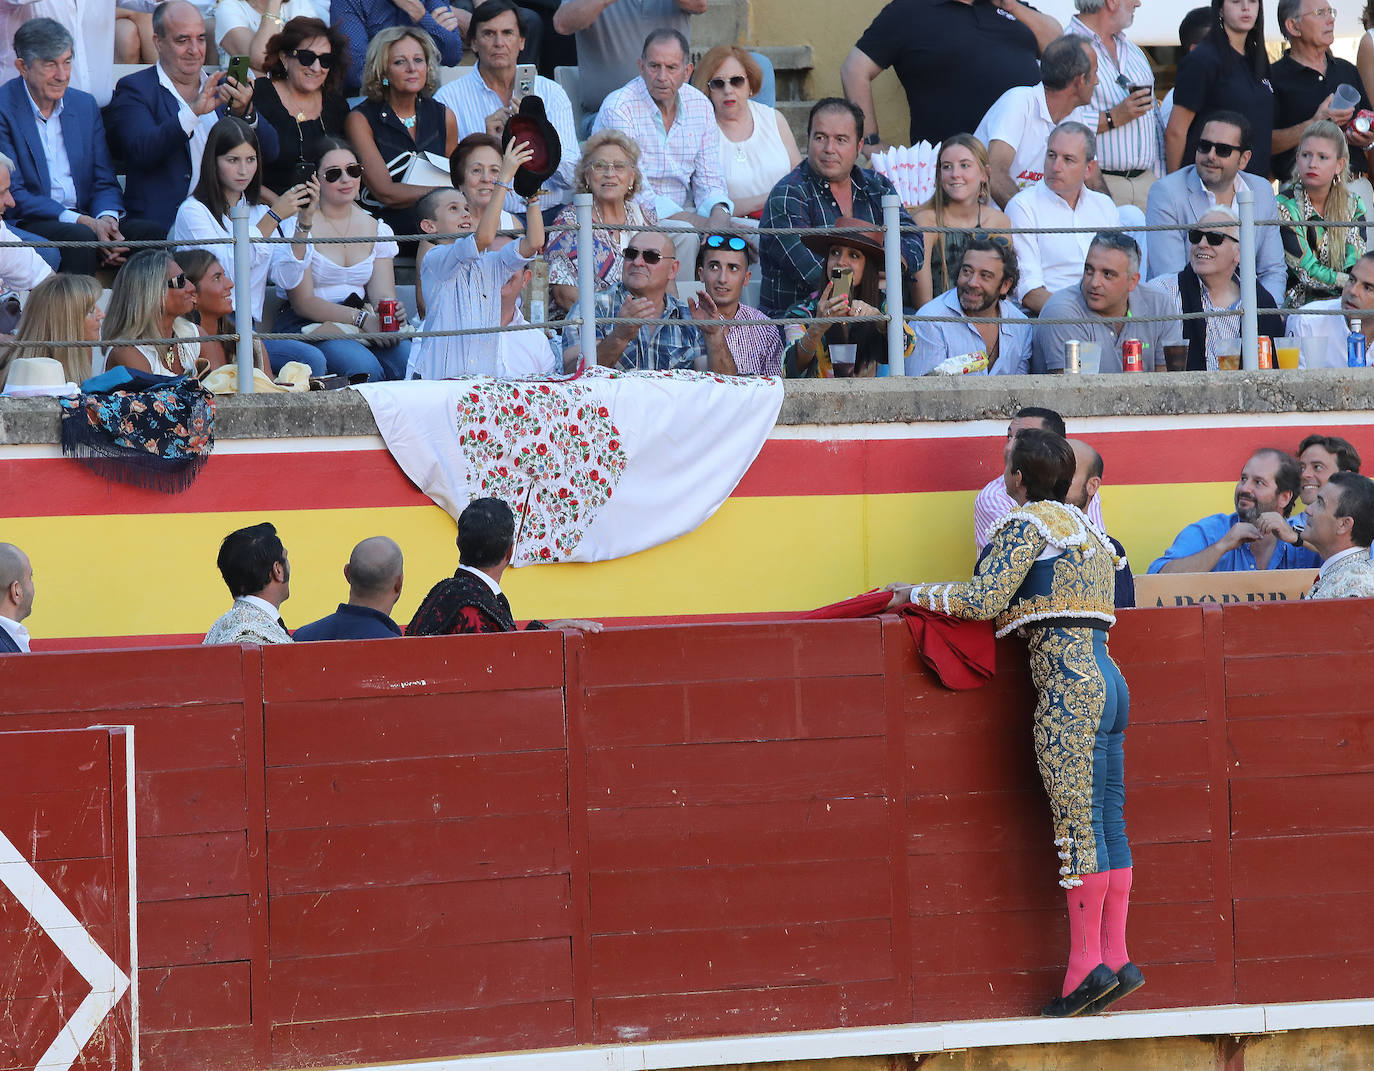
column 16, row 599
column 1087, row 478
column 375, row 575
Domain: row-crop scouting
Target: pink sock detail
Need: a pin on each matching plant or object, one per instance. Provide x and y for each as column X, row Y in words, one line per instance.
column 1114, row 910
column 1085, row 929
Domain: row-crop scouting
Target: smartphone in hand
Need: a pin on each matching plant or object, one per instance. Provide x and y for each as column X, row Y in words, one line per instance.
column 524, row 81
column 841, row 282
column 238, row 69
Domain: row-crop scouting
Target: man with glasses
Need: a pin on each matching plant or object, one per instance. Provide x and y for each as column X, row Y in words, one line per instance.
column 1211, row 181
column 987, row 277
column 723, row 268
column 1130, row 133
column 1304, row 81
column 693, row 337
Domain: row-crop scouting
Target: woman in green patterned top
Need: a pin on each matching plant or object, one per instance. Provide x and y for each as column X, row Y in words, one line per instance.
column 1319, row 257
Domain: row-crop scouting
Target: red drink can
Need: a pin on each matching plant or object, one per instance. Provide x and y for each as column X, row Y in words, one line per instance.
column 389, row 314
column 1266, row 352
column 1131, row 359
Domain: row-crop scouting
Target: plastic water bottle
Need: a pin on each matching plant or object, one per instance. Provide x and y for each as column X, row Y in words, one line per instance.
column 1355, row 346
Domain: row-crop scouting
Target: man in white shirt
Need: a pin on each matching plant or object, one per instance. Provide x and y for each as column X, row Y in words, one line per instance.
column 1323, row 337
column 1017, row 127
column 16, row 599
column 521, row 354
column 485, row 98
column 1130, row 135
column 1051, row 262
column 21, row 268
column 91, row 22
column 253, row 563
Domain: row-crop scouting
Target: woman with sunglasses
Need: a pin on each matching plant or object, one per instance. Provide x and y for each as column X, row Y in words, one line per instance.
column 808, row 349
column 246, row 27
column 214, row 312
column 399, row 120
column 756, row 144
column 343, row 283
column 229, row 175
column 1228, row 71
column 609, row 171
column 1210, row 282
column 302, row 96
column 1319, row 257
column 962, row 198
column 151, row 299
column 60, row 307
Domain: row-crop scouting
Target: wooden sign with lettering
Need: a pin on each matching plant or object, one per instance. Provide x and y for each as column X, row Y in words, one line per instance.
column 1193, row 589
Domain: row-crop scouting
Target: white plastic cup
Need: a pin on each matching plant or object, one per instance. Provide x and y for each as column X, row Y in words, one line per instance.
column 1346, row 96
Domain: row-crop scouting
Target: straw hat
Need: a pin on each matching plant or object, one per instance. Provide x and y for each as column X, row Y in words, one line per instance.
column 870, row 241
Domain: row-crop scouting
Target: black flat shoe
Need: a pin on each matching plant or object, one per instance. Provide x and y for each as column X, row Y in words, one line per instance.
column 1101, row 980
column 1129, row 979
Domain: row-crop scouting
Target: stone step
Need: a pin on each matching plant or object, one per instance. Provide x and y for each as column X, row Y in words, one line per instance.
column 795, row 112
column 724, row 22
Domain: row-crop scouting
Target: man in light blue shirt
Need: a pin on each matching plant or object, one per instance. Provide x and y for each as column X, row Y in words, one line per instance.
column 988, row 273
column 1236, row 542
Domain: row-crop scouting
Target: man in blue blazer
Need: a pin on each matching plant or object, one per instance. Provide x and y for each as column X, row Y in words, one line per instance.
column 160, row 116
column 16, row 599
column 63, row 182
column 1211, row 181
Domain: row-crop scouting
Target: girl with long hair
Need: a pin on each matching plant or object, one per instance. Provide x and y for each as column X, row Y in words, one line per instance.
column 214, row 312
column 60, row 308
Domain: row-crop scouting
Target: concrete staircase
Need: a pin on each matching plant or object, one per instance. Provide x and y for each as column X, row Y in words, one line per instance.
column 727, row 21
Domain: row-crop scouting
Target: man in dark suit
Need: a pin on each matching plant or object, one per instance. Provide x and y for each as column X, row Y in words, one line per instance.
column 63, row 183
column 16, row 599
column 160, row 116
column 375, row 573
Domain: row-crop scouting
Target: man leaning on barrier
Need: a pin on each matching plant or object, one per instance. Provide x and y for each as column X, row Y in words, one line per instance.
column 253, row 563
column 1106, row 308
column 1341, row 529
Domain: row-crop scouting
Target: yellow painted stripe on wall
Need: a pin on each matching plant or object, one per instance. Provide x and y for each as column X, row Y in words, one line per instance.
column 156, row 575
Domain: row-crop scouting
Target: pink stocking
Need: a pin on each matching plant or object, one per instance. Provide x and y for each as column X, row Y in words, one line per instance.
column 1085, row 928
column 1114, row 911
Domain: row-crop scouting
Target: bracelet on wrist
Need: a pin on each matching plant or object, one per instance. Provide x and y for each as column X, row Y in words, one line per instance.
column 360, row 318
column 274, row 216
column 275, row 18
column 503, row 185
column 1111, row 123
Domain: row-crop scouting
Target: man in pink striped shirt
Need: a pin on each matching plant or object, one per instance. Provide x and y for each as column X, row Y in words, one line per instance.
column 993, row 503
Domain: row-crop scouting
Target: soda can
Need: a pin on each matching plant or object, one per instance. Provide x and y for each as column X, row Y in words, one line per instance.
column 1266, row 352
column 389, row 314
column 1073, row 360
column 1131, row 359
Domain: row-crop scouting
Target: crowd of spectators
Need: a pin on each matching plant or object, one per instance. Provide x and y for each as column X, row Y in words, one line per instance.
column 330, row 122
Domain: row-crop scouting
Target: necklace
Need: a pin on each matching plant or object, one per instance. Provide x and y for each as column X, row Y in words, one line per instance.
column 409, row 123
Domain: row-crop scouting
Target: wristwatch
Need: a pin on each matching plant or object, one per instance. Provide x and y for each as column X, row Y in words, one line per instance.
column 872, row 139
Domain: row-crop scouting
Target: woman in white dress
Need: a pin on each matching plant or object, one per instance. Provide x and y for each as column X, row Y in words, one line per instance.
column 150, row 298
column 756, row 144
column 344, row 283
column 245, row 26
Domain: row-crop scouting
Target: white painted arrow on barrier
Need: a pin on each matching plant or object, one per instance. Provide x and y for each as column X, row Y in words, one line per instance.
column 108, row 983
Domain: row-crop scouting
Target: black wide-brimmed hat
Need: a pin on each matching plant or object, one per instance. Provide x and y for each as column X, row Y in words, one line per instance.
column 531, row 125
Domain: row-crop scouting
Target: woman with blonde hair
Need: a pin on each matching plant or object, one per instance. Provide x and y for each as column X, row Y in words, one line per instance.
column 150, row 299
column 1319, row 257
column 756, row 144
column 609, row 171
column 61, row 308
column 399, row 120
column 961, row 199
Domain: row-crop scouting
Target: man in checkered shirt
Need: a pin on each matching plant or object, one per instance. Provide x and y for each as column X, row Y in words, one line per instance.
column 723, row 268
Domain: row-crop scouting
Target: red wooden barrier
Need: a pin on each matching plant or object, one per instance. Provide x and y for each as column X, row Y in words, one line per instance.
column 361, row 852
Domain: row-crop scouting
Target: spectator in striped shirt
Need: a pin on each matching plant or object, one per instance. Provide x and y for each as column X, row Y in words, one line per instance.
column 993, row 503
column 723, row 266
column 1130, row 135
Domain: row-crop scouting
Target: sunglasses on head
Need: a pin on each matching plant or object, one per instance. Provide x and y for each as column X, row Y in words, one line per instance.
column 1212, row 238
column 307, row 58
column 177, row 282
column 721, row 241
column 999, row 240
column 649, row 256
column 736, row 81
column 333, row 174
column 1219, row 147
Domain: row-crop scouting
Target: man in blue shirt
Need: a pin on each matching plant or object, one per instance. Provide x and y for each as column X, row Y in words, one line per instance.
column 1233, row 543
column 375, row 575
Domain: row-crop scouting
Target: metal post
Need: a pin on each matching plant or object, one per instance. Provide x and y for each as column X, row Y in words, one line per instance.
column 892, row 268
column 586, row 277
column 243, row 307
column 1249, row 318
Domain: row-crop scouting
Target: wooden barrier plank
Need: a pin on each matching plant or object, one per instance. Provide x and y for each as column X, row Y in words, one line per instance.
column 424, row 1035
column 725, row 773
column 430, row 978
column 1293, row 927
column 191, row 801
column 1315, row 682
column 223, row 1049
column 426, row 665
column 724, row 833
column 695, row 960
column 192, row 865
column 1277, row 806
column 899, row 651
column 1337, row 977
column 459, row 723
column 204, row 930
column 91, row 876
column 745, row 1011
column 1290, row 746
column 398, row 790
column 156, row 677
column 1272, row 867
column 730, row 897
column 202, row 996
column 32, row 816
column 414, row 853
column 405, row 916
column 1259, row 633
column 181, row 738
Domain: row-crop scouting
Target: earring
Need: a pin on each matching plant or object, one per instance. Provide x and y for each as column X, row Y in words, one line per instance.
column 386, row 81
